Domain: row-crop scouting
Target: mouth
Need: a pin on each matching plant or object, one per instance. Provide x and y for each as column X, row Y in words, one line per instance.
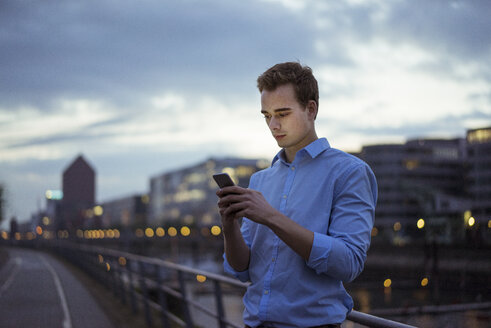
column 279, row 136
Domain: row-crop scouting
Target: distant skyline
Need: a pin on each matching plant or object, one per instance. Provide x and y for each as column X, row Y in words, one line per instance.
column 141, row 88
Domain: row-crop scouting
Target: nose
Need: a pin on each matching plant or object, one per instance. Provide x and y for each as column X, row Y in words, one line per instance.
column 274, row 124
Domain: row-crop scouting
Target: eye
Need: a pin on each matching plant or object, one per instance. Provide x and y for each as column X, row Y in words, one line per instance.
column 283, row 114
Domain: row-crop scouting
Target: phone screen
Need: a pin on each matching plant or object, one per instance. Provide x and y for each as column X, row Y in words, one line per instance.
column 223, row 180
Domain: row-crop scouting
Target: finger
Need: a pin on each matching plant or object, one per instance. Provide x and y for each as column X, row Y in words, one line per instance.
column 230, row 199
column 231, row 190
column 232, row 209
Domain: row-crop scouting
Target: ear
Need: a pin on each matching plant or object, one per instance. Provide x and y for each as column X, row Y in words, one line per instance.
column 312, row 109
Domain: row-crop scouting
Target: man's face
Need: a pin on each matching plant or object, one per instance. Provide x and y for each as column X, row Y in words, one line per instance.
column 291, row 124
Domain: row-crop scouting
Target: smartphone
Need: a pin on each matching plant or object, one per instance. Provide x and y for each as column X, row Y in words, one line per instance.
column 223, row 180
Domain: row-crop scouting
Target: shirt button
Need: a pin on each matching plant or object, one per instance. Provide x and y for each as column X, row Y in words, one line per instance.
column 266, row 292
column 284, row 196
column 293, row 168
column 273, row 259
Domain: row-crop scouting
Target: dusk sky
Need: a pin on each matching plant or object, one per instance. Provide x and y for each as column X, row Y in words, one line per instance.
column 144, row 87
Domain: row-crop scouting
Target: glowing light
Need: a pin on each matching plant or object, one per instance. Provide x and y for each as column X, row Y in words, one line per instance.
column 5, row 235
column 80, row 233
column 17, row 236
column 200, row 278
column 489, row 224
column 149, row 232
column 420, row 224
column 139, row 233
column 424, row 282
column 185, row 231
column 46, row 220
column 110, row 233
column 387, row 283
column 98, row 210
column 39, row 230
column 374, row 232
column 472, row 221
column 479, row 136
column 54, row 194
column 172, row 231
column 412, row 164
column 397, row 226
column 101, row 258
column 215, row 230
column 116, row 233
column 122, row 261
column 108, row 266
column 160, row 232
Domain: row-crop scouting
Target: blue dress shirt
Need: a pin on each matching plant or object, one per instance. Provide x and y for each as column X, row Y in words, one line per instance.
column 330, row 193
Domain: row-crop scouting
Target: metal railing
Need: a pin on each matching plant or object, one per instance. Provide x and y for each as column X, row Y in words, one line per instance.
column 160, row 288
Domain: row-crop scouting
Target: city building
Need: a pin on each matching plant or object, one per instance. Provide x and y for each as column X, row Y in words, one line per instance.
column 479, row 174
column 421, row 179
column 125, row 212
column 78, row 193
column 53, row 209
column 188, row 195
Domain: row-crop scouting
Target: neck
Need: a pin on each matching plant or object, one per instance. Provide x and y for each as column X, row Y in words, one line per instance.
column 291, row 152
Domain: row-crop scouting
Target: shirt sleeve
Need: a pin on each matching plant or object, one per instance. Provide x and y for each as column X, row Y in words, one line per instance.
column 241, row 275
column 341, row 253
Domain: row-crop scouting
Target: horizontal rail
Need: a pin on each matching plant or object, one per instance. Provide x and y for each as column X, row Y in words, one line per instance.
column 142, row 281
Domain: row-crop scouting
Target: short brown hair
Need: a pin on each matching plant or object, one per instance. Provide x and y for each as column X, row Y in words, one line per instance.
column 299, row 76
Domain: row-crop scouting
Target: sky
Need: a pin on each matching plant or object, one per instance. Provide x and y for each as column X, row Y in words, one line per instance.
column 145, row 87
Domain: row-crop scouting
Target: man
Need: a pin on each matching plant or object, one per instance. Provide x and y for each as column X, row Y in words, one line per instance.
column 306, row 220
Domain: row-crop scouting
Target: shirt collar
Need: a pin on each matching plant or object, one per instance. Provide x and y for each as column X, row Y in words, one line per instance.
column 313, row 149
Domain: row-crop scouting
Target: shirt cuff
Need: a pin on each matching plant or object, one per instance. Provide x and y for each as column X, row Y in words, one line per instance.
column 321, row 249
column 241, row 275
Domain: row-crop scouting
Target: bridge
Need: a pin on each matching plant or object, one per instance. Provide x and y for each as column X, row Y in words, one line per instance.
column 37, row 290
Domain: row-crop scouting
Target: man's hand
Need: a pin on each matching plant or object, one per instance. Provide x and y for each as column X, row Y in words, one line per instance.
column 236, row 202
column 236, row 250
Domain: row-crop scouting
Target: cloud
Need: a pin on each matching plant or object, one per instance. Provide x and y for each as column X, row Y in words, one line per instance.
column 123, row 54
column 141, row 87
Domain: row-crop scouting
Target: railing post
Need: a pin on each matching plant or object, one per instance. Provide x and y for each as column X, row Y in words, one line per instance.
column 162, row 298
column 219, row 303
column 118, row 271
column 134, row 306
column 143, row 286
column 185, row 307
column 111, row 271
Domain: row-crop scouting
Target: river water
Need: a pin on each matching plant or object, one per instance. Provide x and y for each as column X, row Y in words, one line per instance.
column 368, row 297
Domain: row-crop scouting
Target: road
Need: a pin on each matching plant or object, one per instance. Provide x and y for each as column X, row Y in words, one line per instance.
column 36, row 290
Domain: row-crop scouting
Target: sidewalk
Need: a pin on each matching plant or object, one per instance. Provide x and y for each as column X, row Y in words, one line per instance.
column 37, row 290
